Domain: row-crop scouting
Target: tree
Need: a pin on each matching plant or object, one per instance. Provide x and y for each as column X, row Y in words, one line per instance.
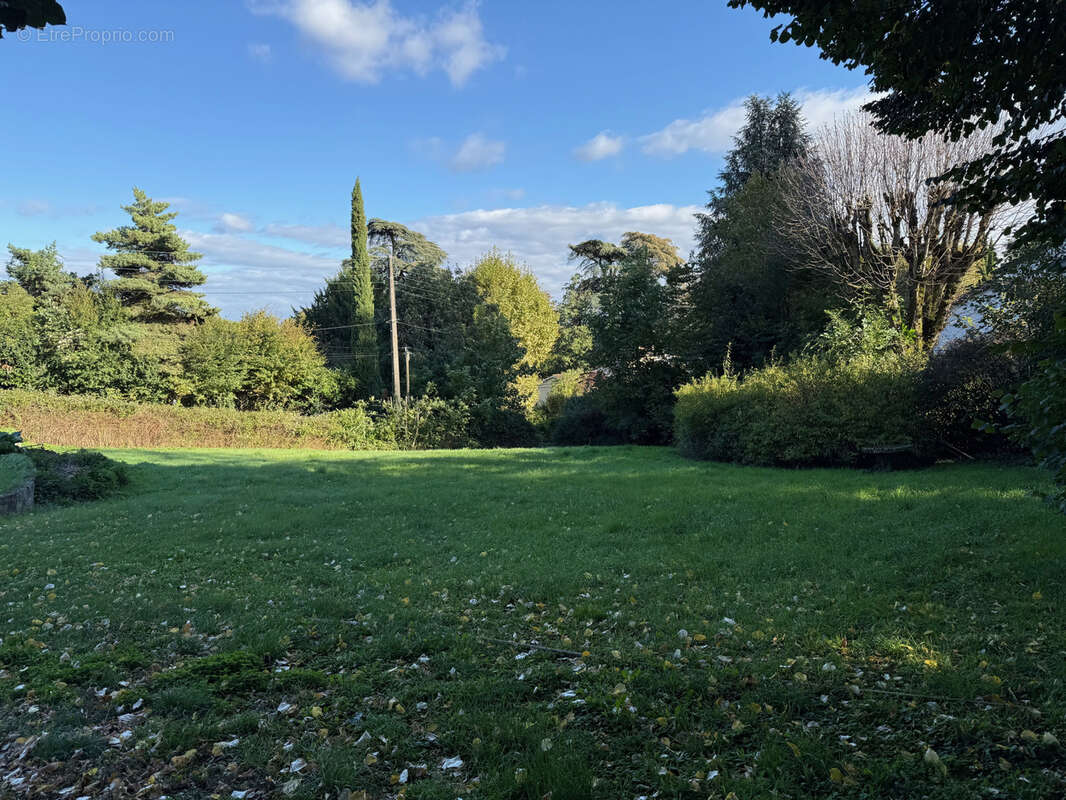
column 19, row 341
column 39, row 272
column 18, row 14
column 512, row 289
column 862, row 209
column 154, row 266
column 953, row 67
column 752, row 300
column 572, row 347
column 460, row 347
column 749, row 298
column 407, row 247
column 773, row 135
column 363, row 338
column 632, row 345
column 596, row 259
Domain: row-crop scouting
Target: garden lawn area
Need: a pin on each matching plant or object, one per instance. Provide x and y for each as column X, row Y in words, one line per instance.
column 302, row 623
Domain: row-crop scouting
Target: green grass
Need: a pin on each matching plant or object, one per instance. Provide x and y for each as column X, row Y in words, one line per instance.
column 15, row 468
column 790, row 633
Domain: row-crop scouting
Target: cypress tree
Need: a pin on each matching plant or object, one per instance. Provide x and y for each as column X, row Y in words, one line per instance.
column 154, row 266
column 364, row 337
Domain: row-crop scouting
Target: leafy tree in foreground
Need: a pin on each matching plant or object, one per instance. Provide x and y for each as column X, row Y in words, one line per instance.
column 154, row 266
column 18, row 14
column 951, row 67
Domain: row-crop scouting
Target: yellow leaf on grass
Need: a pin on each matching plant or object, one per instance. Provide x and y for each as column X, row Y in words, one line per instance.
column 836, row 776
column 795, row 750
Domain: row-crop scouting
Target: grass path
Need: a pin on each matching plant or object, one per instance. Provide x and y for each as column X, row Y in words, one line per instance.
column 299, row 624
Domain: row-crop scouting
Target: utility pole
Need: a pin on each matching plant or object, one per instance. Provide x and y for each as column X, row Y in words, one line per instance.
column 395, row 338
column 407, row 358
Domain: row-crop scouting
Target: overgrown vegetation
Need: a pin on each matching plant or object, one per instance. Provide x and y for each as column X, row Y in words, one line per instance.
column 342, row 621
column 74, row 476
column 425, row 423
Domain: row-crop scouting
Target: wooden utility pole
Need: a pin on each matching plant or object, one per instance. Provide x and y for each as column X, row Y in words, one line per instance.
column 407, row 370
column 395, row 338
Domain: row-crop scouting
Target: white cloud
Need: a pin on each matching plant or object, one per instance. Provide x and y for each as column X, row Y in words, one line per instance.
column 713, row 132
column 476, row 153
column 539, row 236
column 233, row 223
column 363, row 40
column 823, row 105
column 321, row 235
column 34, row 208
column 244, row 274
column 602, row 145
column 258, row 51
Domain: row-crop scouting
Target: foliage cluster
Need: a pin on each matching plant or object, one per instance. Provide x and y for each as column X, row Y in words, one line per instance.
column 15, row 469
column 75, row 476
column 258, row 363
column 809, row 411
column 421, row 423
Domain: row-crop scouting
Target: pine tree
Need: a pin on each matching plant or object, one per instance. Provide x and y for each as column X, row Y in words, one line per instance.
column 153, row 265
column 364, row 336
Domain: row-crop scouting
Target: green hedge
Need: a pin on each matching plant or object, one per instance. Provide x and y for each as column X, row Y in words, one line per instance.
column 811, row 411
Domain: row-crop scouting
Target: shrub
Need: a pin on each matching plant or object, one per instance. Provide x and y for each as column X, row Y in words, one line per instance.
column 810, row 411
column 584, row 422
column 9, row 442
column 256, row 364
column 1039, row 410
column 15, row 469
column 963, row 384
column 493, row 426
column 427, row 423
column 83, row 475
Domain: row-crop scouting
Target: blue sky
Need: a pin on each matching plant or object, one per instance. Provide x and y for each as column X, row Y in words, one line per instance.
column 526, row 126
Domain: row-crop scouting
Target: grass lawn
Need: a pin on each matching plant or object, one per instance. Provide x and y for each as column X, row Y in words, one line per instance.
column 303, row 623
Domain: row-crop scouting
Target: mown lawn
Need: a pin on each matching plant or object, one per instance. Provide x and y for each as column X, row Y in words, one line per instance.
column 307, row 624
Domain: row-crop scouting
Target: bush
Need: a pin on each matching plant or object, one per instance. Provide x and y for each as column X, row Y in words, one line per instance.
column 584, row 422
column 1039, row 410
column 960, row 395
column 812, row 411
column 15, row 468
column 68, row 477
column 493, row 426
column 256, row 364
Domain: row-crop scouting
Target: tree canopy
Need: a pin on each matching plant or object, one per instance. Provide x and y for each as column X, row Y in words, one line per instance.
column 39, row 272
column 153, row 265
column 952, row 66
column 18, row 14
